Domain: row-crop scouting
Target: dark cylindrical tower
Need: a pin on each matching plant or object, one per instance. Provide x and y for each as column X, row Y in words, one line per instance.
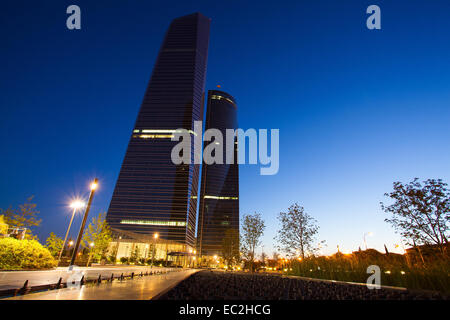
column 219, row 193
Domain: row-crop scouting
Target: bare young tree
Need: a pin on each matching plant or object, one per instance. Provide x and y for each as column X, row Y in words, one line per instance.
column 23, row 217
column 420, row 213
column 297, row 233
column 252, row 230
column 230, row 247
column 275, row 256
column 263, row 258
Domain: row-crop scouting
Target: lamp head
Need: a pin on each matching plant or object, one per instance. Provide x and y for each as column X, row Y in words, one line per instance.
column 77, row 204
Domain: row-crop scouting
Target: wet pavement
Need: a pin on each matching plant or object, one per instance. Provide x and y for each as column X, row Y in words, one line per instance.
column 139, row 288
column 16, row 279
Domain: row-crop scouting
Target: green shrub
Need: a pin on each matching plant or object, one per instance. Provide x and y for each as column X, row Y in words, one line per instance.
column 24, row 254
column 124, row 260
column 3, row 225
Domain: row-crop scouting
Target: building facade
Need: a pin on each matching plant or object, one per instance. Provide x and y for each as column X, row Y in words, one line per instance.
column 219, row 192
column 152, row 195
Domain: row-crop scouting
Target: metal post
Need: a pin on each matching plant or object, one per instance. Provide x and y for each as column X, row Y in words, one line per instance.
column 67, row 233
column 365, row 243
column 153, row 252
column 86, row 212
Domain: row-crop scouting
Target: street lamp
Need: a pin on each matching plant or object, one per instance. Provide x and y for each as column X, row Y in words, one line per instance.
column 155, row 236
column 368, row 234
column 94, row 186
column 91, row 245
column 75, row 205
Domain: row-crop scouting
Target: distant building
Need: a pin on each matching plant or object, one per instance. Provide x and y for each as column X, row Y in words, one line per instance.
column 219, row 192
column 152, row 195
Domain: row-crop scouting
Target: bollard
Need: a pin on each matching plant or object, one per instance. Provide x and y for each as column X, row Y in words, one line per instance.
column 99, row 280
column 82, row 281
column 132, row 275
column 58, row 285
column 24, row 289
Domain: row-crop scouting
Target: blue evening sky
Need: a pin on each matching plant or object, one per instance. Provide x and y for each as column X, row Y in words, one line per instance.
column 357, row 109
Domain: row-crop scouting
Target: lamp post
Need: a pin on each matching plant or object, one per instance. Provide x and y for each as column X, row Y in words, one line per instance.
column 195, row 258
column 77, row 204
column 70, row 245
column 91, row 245
column 86, row 212
column 368, row 234
column 155, row 236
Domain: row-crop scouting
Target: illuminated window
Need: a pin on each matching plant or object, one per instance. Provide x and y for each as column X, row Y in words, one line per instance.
column 158, row 133
column 155, row 223
column 155, row 136
column 220, row 198
column 217, row 97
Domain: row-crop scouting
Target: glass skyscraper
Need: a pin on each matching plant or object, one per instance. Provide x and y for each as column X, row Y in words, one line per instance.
column 219, row 192
column 153, row 195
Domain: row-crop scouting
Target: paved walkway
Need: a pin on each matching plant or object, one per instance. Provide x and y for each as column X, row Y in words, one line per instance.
column 16, row 279
column 144, row 288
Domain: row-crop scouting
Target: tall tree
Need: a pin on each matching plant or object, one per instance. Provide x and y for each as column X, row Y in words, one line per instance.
column 99, row 234
column 263, row 258
column 420, row 212
column 297, row 233
column 112, row 256
column 23, row 217
column 275, row 256
column 54, row 244
column 230, row 247
column 252, row 230
column 134, row 257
